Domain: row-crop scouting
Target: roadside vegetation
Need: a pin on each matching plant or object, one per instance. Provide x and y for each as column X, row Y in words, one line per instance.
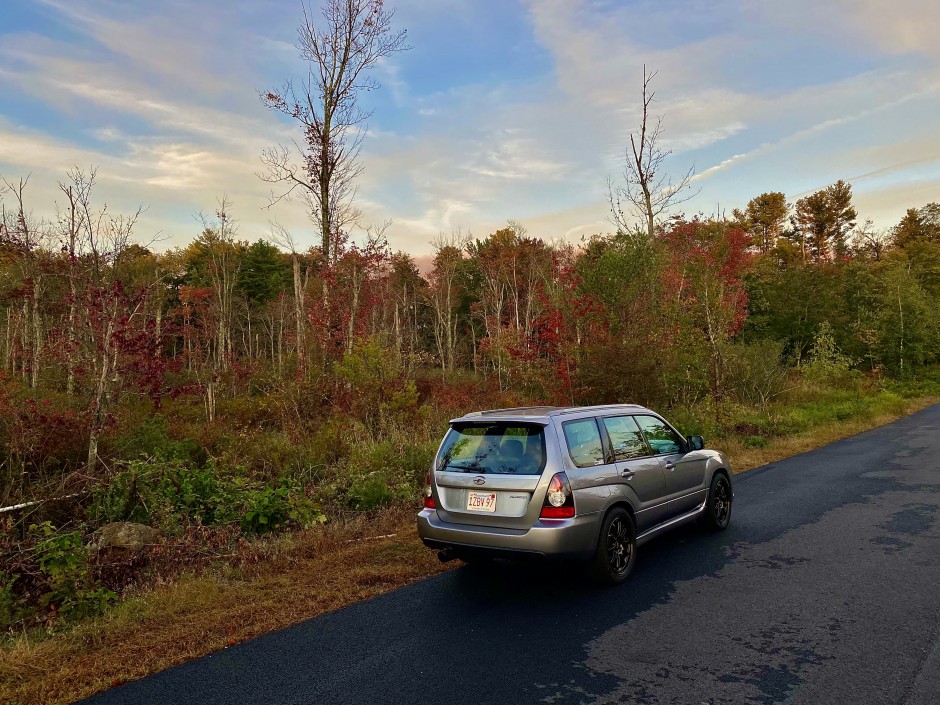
column 251, row 393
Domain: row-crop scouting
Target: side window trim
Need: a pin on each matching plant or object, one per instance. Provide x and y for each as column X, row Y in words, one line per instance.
column 600, row 435
column 608, row 446
column 646, row 443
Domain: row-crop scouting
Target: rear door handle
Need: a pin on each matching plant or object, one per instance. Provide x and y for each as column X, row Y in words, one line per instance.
column 628, row 474
column 670, row 465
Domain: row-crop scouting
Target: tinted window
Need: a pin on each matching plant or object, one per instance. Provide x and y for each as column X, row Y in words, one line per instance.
column 626, row 438
column 493, row 448
column 662, row 439
column 584, row 442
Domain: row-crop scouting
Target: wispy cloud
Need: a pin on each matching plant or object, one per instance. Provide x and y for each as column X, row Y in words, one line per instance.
column 503, row 110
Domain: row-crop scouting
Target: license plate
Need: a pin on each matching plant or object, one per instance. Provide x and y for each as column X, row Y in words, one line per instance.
column 481, row 502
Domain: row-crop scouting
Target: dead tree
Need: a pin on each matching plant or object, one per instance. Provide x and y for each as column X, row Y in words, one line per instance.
column 284, row 238
column 648, row 191
column 341, row 49
column 26, row 239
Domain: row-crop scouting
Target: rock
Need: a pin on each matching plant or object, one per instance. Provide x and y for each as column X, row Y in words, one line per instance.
column 124, row 535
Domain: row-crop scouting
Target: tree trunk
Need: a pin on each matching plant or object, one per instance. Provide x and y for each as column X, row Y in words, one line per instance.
column 650, row 221
column 901, row 315
column 299, row 307
column 101, row 395
column 37, row 335
column 325, row 176
column 450, row 329
column 8, row 341
column 70, row 341
column 354, row 311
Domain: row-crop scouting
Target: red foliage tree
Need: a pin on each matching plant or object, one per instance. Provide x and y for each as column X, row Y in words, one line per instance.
column 703, row 276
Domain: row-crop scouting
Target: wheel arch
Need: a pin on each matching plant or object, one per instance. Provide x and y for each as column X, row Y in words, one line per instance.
column 720, row 470
column 717, row 465
column 625, row 504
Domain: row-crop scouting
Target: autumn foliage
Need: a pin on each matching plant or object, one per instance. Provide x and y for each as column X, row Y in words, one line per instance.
column 224, row 389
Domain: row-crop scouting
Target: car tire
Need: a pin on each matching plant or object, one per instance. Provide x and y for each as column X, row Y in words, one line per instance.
column 717, row 513
column 615, row 555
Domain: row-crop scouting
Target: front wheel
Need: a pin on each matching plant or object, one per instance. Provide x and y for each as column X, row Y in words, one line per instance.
column 717, row 514
column 615, row 555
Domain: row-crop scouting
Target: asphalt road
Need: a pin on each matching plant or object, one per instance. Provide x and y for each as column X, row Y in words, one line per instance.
column 825, row 589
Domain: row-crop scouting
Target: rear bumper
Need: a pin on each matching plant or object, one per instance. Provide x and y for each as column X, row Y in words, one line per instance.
column 558, row 538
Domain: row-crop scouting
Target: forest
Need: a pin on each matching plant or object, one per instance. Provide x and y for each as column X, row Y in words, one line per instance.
column 240, row 386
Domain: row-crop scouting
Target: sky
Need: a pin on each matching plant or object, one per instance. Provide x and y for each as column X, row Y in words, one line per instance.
column 502, row 109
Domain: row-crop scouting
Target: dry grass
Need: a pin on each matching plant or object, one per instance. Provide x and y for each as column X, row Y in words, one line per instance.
column 296, row 577
column 744, row 459
column 302, row 575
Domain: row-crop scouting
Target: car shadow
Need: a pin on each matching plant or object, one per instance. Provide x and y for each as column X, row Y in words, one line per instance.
column 684, row 553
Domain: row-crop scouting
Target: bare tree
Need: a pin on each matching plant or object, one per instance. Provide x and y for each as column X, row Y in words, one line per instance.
column 349, row 40
column 110, row 311
column 282, row 237
column 360, row 261
column 218, row 235
column 443, row 292
column 648, row 190
column 74, row 231
column 27, row 237
column 869, row 241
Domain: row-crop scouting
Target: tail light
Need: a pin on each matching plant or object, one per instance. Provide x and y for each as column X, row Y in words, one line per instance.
column 559, row 502
column 428, row 496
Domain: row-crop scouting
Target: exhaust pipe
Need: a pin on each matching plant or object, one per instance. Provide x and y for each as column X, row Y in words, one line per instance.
column 446, row 554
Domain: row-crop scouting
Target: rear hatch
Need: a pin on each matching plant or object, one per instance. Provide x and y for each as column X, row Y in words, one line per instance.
column 487, row 472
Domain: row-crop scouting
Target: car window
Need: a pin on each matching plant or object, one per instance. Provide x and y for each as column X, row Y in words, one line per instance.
column 584, row 442
column 662, row 439
column 493, row 448
column 626, row 438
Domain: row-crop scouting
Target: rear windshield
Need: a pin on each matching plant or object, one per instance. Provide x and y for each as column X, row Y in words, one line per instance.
column 498, row 448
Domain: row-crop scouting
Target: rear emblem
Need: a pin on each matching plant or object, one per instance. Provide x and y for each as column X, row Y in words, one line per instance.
column 479, row 480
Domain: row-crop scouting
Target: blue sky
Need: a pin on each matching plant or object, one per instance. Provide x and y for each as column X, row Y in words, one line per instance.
column 503, row 109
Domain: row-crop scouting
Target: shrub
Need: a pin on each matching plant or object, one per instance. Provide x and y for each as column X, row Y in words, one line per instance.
column 754, row 442
column 379, row 394
column 370, row 492
column 63, row 559
column 154, row 492
column 12, row 606
column 150, row 438
column 162, row 494
column 827, row 363
column 270, row 454
column 757, row 374
column 378, row 474
column 271, row 508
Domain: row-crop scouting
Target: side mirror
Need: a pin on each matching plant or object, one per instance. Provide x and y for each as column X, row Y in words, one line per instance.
column 696, row 443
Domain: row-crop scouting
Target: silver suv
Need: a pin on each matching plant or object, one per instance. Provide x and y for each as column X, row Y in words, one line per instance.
column 589, row 483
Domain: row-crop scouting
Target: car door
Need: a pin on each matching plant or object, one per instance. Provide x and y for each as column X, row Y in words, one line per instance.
column 684, row 472
column 639, row 473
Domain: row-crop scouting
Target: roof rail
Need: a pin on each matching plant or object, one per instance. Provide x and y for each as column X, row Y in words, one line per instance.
column 596, row 407
column 517, row 408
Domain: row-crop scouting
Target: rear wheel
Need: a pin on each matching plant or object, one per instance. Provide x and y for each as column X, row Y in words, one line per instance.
column 615, row 555
column 717, row 514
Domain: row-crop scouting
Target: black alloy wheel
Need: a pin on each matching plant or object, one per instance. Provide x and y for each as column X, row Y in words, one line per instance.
column 615, row 556
column 619, row 546
column 717, row 514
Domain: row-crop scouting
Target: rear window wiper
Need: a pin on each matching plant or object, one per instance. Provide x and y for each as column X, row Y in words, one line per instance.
column 463, row 468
